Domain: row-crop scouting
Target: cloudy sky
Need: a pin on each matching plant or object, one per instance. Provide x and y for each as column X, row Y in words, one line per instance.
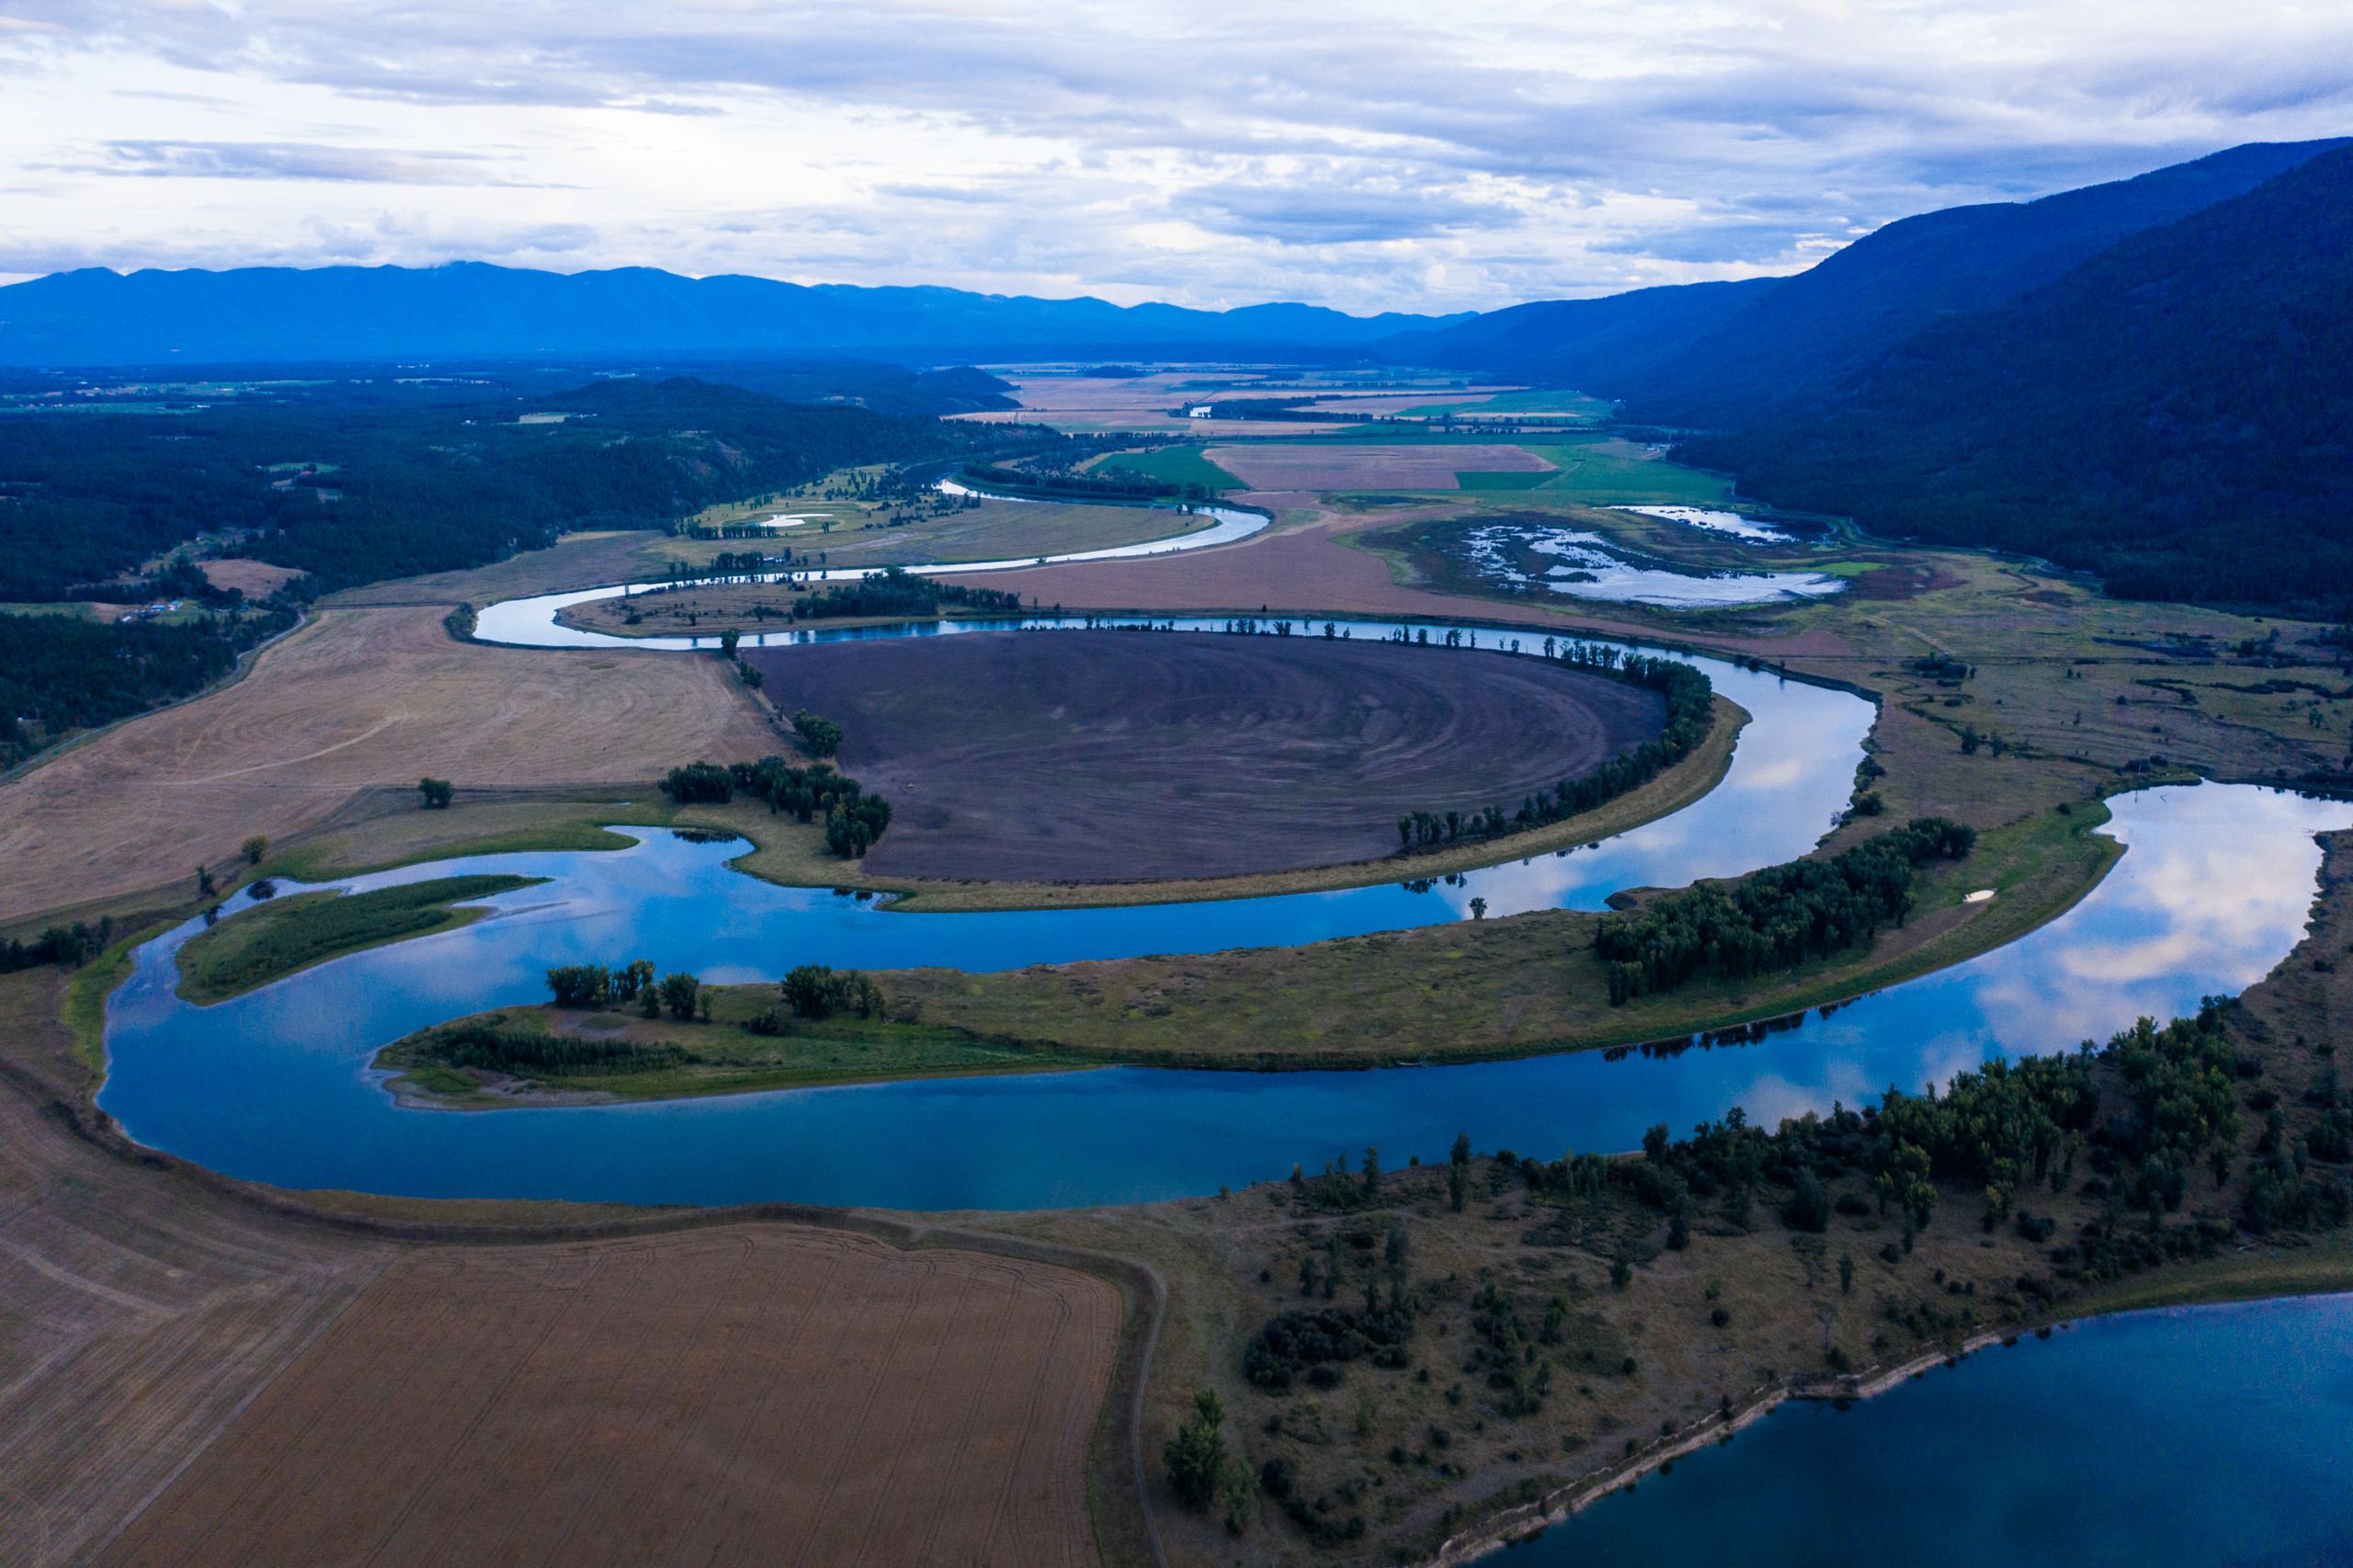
column 1364, row 154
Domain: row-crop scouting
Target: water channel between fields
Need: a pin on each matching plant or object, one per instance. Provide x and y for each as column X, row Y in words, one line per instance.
column 531, row 623
column 274, row 1086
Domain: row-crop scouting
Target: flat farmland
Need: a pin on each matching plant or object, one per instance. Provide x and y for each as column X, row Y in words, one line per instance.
column 746, row 1394
column 1091, row 403
column 1121, row 755
column 1365, row 466
column 359, row 698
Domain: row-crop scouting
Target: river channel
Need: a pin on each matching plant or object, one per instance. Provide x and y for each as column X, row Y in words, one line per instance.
column 276, row 1085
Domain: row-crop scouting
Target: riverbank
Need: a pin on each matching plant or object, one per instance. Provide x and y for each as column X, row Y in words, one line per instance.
column 743, row 1041
column 1229, row 1263
column 1485, row 990
column 1447, row 994
column 271, row 940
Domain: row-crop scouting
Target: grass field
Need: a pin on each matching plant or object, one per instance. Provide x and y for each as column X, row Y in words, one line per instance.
column 1616, row 472
column 1570, row 402
column 282, row 936
column 730, row 1057
column 1480, row 990
column 1169, row 465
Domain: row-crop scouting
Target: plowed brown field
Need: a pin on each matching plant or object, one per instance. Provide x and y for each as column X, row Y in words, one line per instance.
column 361, row 696
column 752, row 1394
column 1117, row 755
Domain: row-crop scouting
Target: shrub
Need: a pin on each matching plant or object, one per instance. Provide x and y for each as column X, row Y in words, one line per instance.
column 814, row 991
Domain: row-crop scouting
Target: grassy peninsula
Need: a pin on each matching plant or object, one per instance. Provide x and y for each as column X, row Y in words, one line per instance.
column 250, row 948
column 733, row 1039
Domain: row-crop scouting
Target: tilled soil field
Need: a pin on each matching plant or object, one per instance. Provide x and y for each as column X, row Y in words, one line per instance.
column 750, row 1394
column 1121, row 755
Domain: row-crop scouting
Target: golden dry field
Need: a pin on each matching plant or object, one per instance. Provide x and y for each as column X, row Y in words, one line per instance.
column 357, row 699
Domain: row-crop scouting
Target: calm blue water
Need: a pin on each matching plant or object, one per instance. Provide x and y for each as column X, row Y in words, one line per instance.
column 2186, row 1438
column 275, row 1087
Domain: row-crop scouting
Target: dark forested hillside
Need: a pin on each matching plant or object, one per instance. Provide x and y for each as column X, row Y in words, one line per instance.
column 1720, row 356
column 1587, row 343
column 355, row 490
column 2176, row 414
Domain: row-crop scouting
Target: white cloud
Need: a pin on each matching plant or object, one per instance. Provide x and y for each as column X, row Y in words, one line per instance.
column 1370, row 155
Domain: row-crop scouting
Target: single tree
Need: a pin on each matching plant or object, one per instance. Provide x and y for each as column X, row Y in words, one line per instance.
column 436, row 793
column 254, row 849
column 727, row 642
column 1196, row 1455
column 680, row 994
column 822, row 736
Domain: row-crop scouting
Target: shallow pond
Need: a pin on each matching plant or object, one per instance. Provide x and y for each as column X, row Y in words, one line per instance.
column 1592, row 567
column 2186, row 1438
column 1713, row 521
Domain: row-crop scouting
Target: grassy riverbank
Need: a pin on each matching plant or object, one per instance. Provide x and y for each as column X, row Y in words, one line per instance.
column 285, row 936
column 1482, row 990
column 637, row 1058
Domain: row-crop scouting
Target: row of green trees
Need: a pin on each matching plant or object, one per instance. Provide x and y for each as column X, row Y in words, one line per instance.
column 70, row 946
column 520, row 1050
column 816, row 991
column 854, row 821
column 894, row 590
column 1691, row 717
column 1777, row 917
column 595, row 985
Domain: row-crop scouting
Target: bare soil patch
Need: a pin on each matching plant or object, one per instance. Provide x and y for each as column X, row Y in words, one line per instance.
column 1336, row 467
column 254, row 579
column 357, row 699
column 1123, row 756
column 753, row 1393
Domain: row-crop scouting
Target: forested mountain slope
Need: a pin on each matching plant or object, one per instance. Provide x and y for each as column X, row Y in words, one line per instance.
column 1717, row 355
column 2176, row 414
column 411, row 487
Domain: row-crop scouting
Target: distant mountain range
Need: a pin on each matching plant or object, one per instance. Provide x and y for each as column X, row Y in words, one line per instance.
column 1719, row 354
column 470, row 311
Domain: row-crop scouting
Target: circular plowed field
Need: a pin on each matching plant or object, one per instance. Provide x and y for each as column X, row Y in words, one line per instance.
column 1121, row 756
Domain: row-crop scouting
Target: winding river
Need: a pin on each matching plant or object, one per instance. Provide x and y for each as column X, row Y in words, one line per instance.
column 274, row 1086
column 2073, row 1452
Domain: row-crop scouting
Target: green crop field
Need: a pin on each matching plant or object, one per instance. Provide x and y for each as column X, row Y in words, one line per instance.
column 1616, row 472
column 1572, row 403
column 1170, row 465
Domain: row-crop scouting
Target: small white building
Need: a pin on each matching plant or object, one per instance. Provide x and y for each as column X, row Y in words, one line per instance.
column 1198, row 411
